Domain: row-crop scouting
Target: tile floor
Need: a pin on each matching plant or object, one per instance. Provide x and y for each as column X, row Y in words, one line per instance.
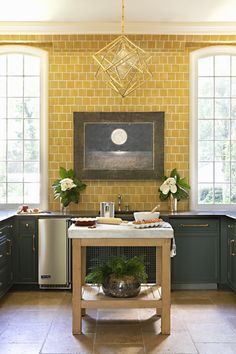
column 203, row 322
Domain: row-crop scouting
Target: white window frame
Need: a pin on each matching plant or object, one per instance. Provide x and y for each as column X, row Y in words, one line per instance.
column 43, row 55
column 193, row 137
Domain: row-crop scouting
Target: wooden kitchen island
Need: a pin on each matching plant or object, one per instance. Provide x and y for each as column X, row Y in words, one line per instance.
column 151, row 296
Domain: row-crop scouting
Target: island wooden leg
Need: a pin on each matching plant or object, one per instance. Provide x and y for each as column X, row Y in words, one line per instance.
column 165, row 290
column 158, row 273
column 76, row 294
column 83, row 271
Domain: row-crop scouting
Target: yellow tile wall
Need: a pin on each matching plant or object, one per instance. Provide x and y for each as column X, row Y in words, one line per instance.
column 73, row 87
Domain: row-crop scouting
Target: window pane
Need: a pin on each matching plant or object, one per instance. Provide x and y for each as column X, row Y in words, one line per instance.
column 233, row 108
column 222, row 87
column 15, row 64
column 31, row 193
column 2, row 150
column 15, row 86
column 222, row 65
column 222, row 108
column 31, row 150
column 233, row 172
column 222, row 130
column 233, row 151
column 15, row 171
column 31, row 172
column 2, row 107
column 15, row 150
column 222, row 193
column 222, row 150
column 222, row 171
column 15, row 108
column 205, row 172
column 205, row 193
column 31, row 65
column 233, row 90
column 3, row 133
column 31, row 128
column 2, row 193
column 31, row 108
column 3, row 87
column 205, row 66
column 205, row 87
column 15, row 129
column 233, row 194
column 205, row 129
column 31, row 87
column 15, row 192
column 233, row 129
column 2, row 171
column 233, row 63
column 205, row 108
column 205, row 151
column 3, row 64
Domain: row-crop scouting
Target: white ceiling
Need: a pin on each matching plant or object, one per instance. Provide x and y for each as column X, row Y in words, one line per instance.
column 104, row 16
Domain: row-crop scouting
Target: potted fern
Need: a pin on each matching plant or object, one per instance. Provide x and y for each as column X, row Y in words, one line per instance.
column 119, row 277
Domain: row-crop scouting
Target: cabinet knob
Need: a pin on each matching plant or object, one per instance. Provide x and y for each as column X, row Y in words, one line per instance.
column 26, row 225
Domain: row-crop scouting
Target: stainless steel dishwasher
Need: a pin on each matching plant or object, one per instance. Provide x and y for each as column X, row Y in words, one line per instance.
column 54, row 264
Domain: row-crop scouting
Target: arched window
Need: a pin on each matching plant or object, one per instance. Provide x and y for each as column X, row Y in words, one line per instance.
column 23, row 126
column 213, row 128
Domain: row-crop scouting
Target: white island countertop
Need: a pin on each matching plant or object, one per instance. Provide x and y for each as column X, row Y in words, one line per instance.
column 120, row 231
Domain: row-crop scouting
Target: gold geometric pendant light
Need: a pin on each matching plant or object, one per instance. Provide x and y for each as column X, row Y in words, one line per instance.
column 123, row 64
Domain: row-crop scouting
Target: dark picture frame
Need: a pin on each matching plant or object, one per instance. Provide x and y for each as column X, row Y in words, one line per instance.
column 119, row 145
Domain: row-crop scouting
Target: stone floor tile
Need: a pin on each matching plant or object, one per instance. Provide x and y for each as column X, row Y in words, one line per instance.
column 20, row 348
column 178, row 343
column 212, row 332
column 118, row 349
column 24, row 333
column 216, row 348
column 120, row 333
column 32, row 317
column 61, row 344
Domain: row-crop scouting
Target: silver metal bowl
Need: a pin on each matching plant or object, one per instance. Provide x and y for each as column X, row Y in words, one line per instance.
column 126, row 286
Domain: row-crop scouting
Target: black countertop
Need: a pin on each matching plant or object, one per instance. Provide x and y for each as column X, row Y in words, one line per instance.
column 6, row 214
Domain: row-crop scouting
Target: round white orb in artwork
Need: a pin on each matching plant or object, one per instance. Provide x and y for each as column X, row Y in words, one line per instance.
column 119, row 136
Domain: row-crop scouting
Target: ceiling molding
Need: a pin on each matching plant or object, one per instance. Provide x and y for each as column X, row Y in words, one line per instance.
column 115, row 28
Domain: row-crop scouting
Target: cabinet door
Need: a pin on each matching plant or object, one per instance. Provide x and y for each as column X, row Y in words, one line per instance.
column 6, row 264
column 232, row 255
column 26, row 265
column 197, row 246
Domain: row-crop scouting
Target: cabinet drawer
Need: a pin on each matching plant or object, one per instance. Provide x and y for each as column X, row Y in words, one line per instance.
column 26, row 226
column 195, row 225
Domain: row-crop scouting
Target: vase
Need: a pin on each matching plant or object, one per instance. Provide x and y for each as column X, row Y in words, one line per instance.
column 126, row 286
column 63, row 209
column 173, row 204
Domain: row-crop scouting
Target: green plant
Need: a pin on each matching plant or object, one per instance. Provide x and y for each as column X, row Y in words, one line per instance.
column 118, row 267
column 68, row 187
column 174, row 185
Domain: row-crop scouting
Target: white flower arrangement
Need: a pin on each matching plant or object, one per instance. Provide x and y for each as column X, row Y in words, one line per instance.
column 174, row 185
column 68, row 187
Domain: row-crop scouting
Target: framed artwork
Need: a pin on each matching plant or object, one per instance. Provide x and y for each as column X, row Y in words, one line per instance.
column 119, row 145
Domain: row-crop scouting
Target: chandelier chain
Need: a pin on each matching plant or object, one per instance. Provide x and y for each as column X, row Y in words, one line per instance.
column 123, row 17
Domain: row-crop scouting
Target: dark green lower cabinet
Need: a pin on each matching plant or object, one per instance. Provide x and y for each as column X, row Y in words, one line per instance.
column 232, row 255
column 6, row 256
column 26, row 266
column 196, row 264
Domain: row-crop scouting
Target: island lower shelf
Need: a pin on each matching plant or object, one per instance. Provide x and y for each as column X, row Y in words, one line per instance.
column 149, row 297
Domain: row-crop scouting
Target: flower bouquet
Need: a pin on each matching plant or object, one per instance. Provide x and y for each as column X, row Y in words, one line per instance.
column 68, row 187
column 174, row 186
